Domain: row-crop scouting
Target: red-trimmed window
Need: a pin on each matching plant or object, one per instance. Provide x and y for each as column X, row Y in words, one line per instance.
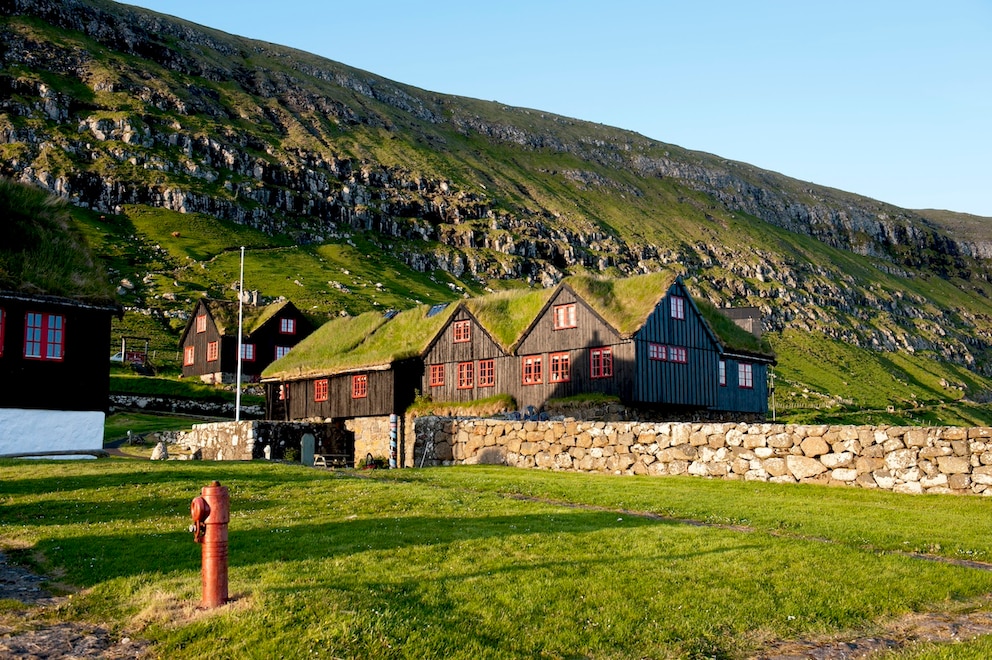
column 560, row 371
column 201, row 323
column 565, row 316
column 678, row 307
column 44, row 336
column 248, row 352
column 601, row 363
column 212, row 351
column 487, row 373
column 287, row 326
column 1, row 331
column 281, row 351
column 657, row 352
column 320, row 390
column 189, row 356
column 745, row 376
column 532, row 372
column 437, row 375
column 359, row 386
column 461, row 331
column 466, row 375
column 723, row 373
column 678, row 354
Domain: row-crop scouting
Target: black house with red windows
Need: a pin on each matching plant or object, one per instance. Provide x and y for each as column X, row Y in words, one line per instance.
column 209, row 342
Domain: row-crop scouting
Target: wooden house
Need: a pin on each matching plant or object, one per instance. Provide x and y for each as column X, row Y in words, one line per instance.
column 209, row 343
column 56, row 308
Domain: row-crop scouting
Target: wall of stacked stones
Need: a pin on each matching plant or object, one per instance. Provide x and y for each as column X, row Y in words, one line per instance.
column 248, row 440
column 900, row 459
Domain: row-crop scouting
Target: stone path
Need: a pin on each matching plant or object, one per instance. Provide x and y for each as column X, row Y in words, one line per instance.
column 29, row 634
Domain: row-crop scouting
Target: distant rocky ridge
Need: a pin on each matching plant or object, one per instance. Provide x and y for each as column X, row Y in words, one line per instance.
column 133, row 107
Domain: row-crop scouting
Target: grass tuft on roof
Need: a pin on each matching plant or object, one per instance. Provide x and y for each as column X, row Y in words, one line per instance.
column 625, row 303
column 731, row 335
column 42, row 252
column 507, row 314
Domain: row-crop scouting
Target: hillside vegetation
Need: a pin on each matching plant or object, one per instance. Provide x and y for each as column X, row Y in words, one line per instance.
column 178, row 144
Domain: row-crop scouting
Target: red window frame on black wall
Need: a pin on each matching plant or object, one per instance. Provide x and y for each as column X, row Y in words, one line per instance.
column 44, row 336
column 359, row 386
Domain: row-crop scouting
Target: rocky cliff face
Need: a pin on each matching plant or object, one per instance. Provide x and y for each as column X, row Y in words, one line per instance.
column 112, row 106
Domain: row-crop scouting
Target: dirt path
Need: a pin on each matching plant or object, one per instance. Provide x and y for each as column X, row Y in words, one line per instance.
column 29, row 633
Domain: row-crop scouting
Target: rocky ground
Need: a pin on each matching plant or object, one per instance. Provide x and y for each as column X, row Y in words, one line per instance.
column 34, row 631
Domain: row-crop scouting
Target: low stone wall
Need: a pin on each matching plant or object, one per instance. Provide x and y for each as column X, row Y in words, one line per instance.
column 372, row 437
column 901, row 459
column 183, row 406
column 247, row 440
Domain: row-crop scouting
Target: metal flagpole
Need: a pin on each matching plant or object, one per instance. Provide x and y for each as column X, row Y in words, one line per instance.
column 241, row 305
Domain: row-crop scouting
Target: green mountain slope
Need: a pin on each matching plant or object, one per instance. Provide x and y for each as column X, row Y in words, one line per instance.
column 352, row 193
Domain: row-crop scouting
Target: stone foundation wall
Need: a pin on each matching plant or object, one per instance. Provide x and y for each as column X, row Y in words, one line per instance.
column 372, row 437
column 245, row 441
column 900, row 459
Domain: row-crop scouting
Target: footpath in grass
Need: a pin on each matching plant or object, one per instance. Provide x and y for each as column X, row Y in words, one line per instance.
column 489, row 562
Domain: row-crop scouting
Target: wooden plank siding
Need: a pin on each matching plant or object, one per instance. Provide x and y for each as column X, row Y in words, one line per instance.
column 734, row 398
column 590, row 331
column 446, row 353
column 199, row 341
column 388, row 390
column 693, row 383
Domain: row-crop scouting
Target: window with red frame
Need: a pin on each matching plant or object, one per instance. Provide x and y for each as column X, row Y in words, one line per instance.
column 532, row 374
column 212, row 351
column 359, row 386
column 189, row 355
column 201, row 322
column 601, row 363
column 461, row 331
column 437, row 375
column 44, row 336
column 281, row 351
column 678, row 354
column 678, row 307
column 287, row 326
column 1, row 331
column 657, row 352
column 320, row 390
column 565, row 316
column 723, row 373
column 248, row 352
column 466, row 375
column 559, row 366
column 487, row 373
column 745, row 376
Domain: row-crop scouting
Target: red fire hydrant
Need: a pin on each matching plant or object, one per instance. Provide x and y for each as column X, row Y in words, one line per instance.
column 211, row 512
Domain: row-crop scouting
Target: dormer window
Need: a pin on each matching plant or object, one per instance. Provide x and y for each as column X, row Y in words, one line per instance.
column 287, row 326
column 565, row 316
column 678, row 307
column 461, row 331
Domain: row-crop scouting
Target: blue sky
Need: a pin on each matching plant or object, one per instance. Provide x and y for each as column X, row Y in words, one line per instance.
column 892, row 100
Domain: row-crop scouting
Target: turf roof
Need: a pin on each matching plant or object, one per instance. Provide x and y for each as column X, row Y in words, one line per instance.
column 225, row 315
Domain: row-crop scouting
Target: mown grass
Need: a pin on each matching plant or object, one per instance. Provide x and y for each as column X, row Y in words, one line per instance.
column 141, row 423
column 485, row 562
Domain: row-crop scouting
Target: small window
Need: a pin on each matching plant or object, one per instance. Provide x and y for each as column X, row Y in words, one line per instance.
column 745, row 376
column 678, row 307
column 212, row 351
column 723, row 373
column 44, row 336
column 487, row 373
column 359, row 386
column 532, row 373
column 466, row 375
column 565, row 316
column 657, row 352
column 462, row 331
column 189, row 356
column 281, row 351
column 678, row 354
column 560, row 372
column 320, row 390
column 601, row 363
column 201, row 323
column 248, row 352
column 287, row 326
column 437, row 375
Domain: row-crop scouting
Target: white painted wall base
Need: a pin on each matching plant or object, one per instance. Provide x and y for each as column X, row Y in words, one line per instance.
column 49, row 430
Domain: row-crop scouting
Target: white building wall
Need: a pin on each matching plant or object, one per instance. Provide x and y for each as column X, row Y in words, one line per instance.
column 49, row 430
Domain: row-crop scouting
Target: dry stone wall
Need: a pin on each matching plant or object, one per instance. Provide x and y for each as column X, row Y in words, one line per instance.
column 900, row 459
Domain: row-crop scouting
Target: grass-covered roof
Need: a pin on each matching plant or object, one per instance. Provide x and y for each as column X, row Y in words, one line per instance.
column 42, row 253
column 506, row 315
column 225, row 315
column 625, row 303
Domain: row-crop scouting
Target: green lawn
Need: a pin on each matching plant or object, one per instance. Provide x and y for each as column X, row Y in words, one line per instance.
column 485, row 562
